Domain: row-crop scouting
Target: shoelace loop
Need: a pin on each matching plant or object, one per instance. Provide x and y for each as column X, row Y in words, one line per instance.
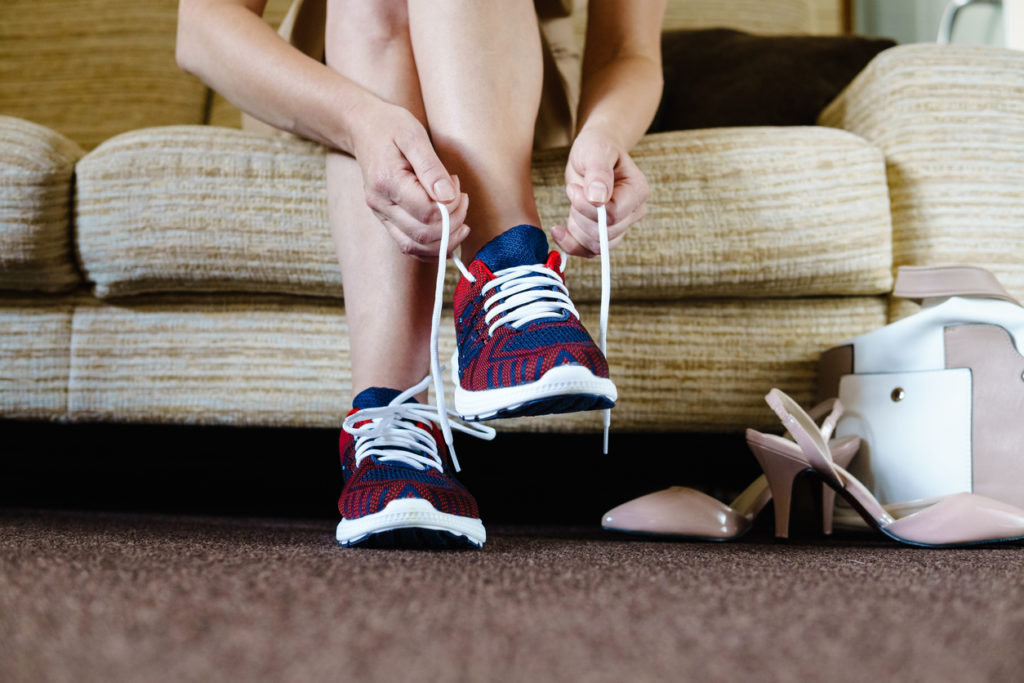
column 394, row 433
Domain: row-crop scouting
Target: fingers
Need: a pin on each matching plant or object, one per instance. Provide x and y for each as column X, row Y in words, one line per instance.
column 630, row 191
column 401, row 188
column 584, row 229
column 427, row 253
column 633, row 191
column 424, row 226
column 422, row 240
column 564, row 239
column 429, row 170
column 568, row 243
column 580, row 235
column 591, row 168
column 403, row 181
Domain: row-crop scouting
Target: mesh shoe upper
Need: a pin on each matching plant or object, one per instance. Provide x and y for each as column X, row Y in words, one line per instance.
column 511, row 356
column 375, row 482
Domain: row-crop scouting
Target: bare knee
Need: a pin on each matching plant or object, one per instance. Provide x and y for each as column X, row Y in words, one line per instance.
column 375, row 26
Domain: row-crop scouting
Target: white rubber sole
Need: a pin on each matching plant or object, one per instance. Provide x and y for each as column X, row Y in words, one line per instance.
column 564, row 380
column 409, row 513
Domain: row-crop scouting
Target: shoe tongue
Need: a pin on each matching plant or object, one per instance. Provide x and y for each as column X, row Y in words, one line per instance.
column 375, row 397
column 521, row 246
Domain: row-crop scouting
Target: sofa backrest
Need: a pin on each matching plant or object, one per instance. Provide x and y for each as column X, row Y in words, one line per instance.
column 91, row 69
column 754, row 16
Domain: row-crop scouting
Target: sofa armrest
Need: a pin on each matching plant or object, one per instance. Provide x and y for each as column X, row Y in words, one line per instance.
column 950, row 122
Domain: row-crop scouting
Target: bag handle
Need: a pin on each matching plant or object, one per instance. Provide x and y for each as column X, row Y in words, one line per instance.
column 941, row 282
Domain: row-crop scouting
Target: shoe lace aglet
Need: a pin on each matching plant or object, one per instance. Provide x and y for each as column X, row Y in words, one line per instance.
column 607, row 427
column 450, row 442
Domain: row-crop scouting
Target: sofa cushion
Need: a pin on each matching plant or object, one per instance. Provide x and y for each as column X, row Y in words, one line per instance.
column 744, row 212
column 35, row 353
column 284, row 361
column 197, row 208
column 748, row 212
column 950, row 121
column 93, row 68
column 36, row 168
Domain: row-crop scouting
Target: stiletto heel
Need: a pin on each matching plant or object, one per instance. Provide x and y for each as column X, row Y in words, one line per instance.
column 758, row 441
column 683, row 512
column 781, row 472
column 948, row 521
column 828, row 508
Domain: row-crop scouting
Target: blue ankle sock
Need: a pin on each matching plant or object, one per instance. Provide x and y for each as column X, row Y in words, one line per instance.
column 375, row 397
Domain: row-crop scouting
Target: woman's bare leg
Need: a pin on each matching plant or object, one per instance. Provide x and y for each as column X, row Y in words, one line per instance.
column 388, row 295
column 480, row 70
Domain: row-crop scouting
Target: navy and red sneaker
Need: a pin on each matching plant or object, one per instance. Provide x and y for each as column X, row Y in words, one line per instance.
column 521, row 347
column 400, row 490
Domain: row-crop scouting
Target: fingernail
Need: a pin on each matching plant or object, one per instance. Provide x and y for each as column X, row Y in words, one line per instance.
column 597, row 193
column 444, row 190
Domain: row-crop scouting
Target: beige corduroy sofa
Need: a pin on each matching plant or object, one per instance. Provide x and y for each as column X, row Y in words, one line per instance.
column 183, row 273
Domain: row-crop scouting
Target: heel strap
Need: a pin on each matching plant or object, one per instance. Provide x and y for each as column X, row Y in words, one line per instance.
column 941, row 282
column 834, row 409
column 808, row 436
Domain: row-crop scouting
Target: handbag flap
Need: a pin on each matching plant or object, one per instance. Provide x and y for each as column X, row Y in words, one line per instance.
column 997, row 372
column 941, row 282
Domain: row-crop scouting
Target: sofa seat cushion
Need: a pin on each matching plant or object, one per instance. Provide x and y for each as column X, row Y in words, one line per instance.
column 950, row 121
column 258, row 360
column 35, row 356
column 36, row 169
column 740, row 212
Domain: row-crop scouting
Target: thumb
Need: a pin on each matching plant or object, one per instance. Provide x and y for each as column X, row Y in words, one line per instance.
column 597, row 184
column 430, row 171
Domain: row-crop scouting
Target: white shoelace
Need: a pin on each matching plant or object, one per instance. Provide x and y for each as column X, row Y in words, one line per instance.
column 391, row 432
column 606, row 289
column 528, row 293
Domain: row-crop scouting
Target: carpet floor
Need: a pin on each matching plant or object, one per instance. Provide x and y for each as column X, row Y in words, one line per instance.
column 126, row 597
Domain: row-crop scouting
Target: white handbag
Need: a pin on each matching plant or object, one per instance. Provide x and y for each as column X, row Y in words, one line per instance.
column 938, row 397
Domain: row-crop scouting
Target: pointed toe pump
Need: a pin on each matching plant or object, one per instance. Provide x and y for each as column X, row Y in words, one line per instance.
column 685, row 513
column 949, row 521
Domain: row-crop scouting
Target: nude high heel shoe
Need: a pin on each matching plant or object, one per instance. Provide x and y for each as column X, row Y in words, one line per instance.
column 686, row 513
column 947, row 521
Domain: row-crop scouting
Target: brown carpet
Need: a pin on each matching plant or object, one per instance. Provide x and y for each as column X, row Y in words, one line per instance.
column 104, row 597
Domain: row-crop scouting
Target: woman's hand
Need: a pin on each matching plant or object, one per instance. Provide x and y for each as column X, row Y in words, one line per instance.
column 599, row 172
column 403, row 177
